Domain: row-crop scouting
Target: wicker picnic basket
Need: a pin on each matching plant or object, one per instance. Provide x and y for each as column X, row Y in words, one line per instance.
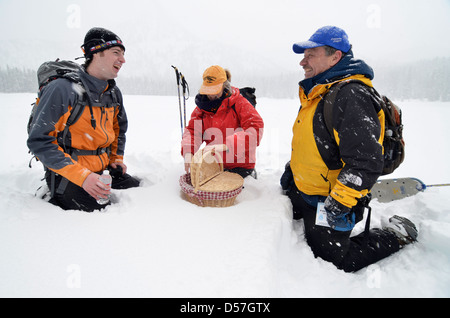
column 208, row 185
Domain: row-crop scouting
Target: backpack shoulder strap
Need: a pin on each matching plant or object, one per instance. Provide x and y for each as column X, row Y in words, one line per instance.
column 76, row 111
column 75, row 114
column 115, row 99
column 328, row 103
column 249, row 94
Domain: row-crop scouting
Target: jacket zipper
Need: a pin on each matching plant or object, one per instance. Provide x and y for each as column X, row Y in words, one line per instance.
column 103, row 125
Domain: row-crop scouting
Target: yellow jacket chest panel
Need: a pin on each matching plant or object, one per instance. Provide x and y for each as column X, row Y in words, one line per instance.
column 311, row 174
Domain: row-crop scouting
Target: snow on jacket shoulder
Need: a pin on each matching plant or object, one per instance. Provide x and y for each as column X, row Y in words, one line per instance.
column 236, row 124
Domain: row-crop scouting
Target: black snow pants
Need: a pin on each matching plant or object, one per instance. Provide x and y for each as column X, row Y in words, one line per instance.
column 346, row 253
column 74, row 197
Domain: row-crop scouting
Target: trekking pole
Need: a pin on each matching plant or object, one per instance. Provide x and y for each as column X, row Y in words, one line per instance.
column 179, row 98
column 438, row 185
column 422, row 186
column 185, row 86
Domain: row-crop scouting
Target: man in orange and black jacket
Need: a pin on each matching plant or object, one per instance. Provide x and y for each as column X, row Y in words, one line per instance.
column 335, row 174
column 96, row 141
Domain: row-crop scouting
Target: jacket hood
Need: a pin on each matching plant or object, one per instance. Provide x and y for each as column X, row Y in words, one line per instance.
column 346, row 67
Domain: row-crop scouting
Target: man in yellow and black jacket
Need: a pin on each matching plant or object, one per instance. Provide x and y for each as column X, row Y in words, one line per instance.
column 338, row 171
column 96, row 140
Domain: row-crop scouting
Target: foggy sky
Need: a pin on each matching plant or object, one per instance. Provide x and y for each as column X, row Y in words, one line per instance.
column 389, row 32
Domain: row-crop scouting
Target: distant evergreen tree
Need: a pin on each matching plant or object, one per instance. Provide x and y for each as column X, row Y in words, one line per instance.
column 15, row 80
column 426, row 80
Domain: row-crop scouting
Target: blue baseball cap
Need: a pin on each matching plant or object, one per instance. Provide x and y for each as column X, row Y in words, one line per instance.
column 327, row 35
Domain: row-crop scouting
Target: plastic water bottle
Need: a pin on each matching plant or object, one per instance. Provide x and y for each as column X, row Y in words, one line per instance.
column 106, row 179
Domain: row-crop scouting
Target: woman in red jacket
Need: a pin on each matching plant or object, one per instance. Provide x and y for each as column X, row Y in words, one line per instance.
column 223, row 116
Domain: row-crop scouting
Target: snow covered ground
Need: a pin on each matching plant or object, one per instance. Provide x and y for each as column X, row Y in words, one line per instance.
column 152, row 243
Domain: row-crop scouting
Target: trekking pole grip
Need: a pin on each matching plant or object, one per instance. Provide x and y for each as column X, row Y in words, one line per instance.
column 178, row 75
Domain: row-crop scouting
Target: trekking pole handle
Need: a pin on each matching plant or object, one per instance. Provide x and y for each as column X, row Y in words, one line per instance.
column 184, row 84
column 178, row 75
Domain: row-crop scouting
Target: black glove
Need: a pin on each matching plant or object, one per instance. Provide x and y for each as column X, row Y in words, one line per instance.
column 116, row 172
column 339, row 216
column 287, row 179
